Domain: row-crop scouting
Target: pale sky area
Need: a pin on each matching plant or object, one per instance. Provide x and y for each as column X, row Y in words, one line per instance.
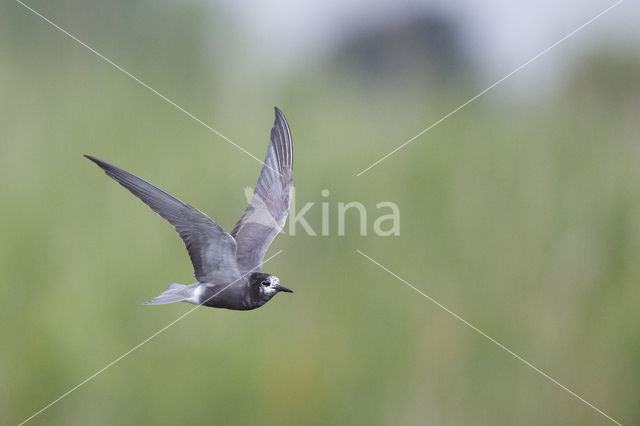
column 501, row 34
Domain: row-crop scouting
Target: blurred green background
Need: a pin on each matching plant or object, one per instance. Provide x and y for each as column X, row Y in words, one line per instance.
column 521, row 213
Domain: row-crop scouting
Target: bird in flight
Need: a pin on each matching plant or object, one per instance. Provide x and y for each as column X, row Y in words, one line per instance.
column 227, row 266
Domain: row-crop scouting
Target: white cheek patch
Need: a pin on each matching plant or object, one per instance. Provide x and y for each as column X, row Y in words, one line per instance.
column 271, row 289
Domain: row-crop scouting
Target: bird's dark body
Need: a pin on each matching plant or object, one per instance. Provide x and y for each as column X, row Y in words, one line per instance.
column 241, row 296
column 227, row 266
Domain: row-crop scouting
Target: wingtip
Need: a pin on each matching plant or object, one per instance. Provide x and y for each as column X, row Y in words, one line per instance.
column 102, row 164
column 92, row 158
column 280, row 118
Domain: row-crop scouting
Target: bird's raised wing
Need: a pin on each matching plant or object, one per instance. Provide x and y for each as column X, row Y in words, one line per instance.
column 267, row 212
column 211, row 248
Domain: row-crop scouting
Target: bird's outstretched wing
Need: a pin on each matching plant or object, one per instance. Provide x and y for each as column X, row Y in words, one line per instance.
column 211, row 248
column 267, row 212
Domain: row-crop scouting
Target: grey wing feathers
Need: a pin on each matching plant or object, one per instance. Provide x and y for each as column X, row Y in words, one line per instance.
column 211, row 249
column 265, row 216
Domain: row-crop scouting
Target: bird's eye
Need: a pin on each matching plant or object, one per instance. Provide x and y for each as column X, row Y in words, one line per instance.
column 265, row 283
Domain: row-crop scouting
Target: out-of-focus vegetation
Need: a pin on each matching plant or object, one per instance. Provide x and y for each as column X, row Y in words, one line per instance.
column 524, row 218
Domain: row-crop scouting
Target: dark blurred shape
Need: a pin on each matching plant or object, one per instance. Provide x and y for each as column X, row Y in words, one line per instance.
column 425, row 48
column 608, row 79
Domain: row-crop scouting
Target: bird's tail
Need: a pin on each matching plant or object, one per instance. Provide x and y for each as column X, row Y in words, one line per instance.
column 175, row 293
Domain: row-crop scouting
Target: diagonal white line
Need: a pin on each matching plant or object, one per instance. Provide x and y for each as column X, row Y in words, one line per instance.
column 91, row 377
column 142, row 83
column 488, row 88
column 491, row 339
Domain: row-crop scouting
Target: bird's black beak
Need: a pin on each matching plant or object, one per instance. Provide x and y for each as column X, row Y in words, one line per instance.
column 283, row 288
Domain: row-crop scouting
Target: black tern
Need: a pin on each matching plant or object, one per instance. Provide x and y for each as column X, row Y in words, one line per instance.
column 227, row 266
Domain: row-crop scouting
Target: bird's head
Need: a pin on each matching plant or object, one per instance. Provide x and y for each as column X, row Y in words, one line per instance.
column 267, row 285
